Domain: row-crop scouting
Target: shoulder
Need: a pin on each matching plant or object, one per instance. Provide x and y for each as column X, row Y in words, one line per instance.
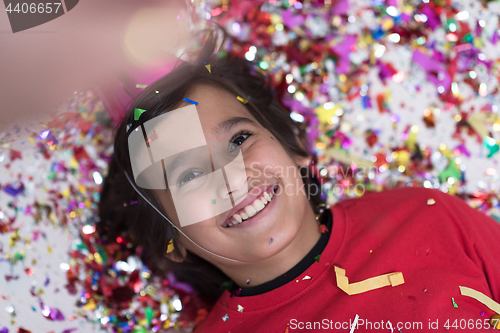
column 409, row 205
column 399, row 198
column 405, row 205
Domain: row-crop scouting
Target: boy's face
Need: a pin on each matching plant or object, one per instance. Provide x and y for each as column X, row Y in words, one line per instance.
column 267, row 226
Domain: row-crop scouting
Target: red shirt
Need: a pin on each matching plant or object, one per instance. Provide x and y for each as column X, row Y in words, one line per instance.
column 437, row 247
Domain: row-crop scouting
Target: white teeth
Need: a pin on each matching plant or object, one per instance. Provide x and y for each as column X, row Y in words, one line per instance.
column 258, row 205
column 250, row 211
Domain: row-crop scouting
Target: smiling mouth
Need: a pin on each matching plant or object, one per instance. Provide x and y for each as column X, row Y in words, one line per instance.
column 252, row 209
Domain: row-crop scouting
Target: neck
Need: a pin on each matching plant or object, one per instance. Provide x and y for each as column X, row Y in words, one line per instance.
column 269, row 269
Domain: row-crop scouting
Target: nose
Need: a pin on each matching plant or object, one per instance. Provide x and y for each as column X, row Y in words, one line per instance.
column 236, row 177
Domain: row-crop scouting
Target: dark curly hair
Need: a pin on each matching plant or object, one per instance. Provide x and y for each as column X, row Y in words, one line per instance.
column 146, row 229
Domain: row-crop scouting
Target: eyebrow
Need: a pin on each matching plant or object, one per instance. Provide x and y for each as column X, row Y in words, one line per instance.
column 227, row 125
column 169, row 168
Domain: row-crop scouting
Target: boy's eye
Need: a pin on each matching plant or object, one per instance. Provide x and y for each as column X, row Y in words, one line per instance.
column 239, row 138
column 188, row 176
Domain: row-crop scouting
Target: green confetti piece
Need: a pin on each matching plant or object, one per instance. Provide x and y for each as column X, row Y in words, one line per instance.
column 317, row 257
column 491, row 145
column 140, row 330
column 226, row 285
column 103, row 255
column 81, row 246
column 148, row 312
column 19, row 256
column 138, row 112
column 468, row 38
column 450, row 171
column 141, row 86
column 213, row 201
column 454, row 304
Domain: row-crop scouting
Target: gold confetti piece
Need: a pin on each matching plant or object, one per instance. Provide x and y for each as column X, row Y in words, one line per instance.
column 391, row 279
column 480, row 297
column 307, row 277
column 241, row 99
column 431, row 202
column 170, row 246
column 142, row 86
column 240, row 308
column 343, row 156
column 208, row 68
column 89, row 306
column 495, row 321
column 478, row 121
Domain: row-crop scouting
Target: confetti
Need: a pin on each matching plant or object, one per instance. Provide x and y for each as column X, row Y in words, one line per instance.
column 208, row 68
column 454, row 304
column 225, row 317
column 138, row 112
column 22, row 330
column 495, row 321
column 391, row 279
column 317, row 257
column 240, row 308
column 170, row 246
column 190, row 101
column 242, row 100
column 153, row 137
column 141, row 86
column 307, row 277
column 480, row 297
column 323, row 229
column 431, row 202
column 81, row 135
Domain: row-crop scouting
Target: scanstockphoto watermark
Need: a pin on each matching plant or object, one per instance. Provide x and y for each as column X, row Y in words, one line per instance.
column 400, row 326
column 358, row 323
column 339, row 173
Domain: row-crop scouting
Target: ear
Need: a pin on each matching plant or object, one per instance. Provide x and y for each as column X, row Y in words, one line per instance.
column 176, row 258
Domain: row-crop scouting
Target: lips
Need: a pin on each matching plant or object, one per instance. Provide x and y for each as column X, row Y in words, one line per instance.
column 255, row 202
